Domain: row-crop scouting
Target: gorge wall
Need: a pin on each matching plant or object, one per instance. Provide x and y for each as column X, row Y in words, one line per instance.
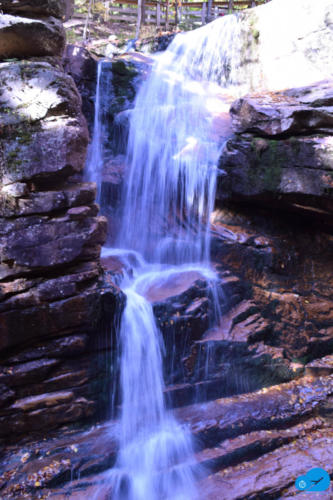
column 51, row 291
column 275, row 210
column 256, row 392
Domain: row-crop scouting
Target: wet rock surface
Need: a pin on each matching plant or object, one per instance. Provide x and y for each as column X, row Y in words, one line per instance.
column 81, row 65
column 274, row 227
column 282, row 428
column 123, row 75
column 287, row 262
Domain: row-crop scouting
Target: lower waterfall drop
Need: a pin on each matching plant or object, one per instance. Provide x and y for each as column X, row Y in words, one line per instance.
column 156, row 455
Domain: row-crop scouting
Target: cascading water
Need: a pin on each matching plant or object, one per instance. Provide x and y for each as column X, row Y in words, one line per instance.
column 174, row 144
column 156, row 457
column 174, row 147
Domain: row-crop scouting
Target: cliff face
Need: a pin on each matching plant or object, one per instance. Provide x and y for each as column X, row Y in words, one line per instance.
column 274, row 226
column 50, row 233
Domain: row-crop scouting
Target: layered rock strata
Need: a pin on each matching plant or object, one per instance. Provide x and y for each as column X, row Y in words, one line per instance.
column 273, row 222
column 51, row 293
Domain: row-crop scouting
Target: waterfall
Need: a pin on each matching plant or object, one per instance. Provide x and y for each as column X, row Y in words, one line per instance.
column 156, row 456
column 96, row 151
column 175, row 138
column 174, row 146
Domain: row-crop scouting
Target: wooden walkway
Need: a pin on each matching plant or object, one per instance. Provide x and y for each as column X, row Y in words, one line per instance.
column 174, row 12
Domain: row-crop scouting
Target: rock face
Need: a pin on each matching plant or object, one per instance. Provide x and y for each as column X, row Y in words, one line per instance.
column 41, row 117
column 82, row 67
column 283, row 149
column 263, row 376
column 52, row 297
column 280, row 164
column 239, row 440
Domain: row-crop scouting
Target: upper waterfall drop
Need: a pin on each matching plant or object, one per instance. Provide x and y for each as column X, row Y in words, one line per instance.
column 174, row 144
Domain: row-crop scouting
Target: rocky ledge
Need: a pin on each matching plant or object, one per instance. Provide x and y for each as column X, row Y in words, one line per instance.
column 248, row 446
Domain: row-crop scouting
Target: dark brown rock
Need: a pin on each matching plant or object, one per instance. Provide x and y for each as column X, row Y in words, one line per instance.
column 268, row 408
column 48, row 319
column 26, row 373
column 288, row 264
column 6, row 395
column 38, row 202
column 254, row 440
column 57, row 288
column 37, row 242
column 53, row 304
column 44, row 400
column 113, row 181
column 49, row 416
column 56, row 8
column 67, row 455
column 295, row 173
column 270, row 475
column 306, row 110
column 23, row 37
column 69, row 346
column 82, row 66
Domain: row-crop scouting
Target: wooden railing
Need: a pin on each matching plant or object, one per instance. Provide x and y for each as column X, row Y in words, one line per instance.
column 164, row 13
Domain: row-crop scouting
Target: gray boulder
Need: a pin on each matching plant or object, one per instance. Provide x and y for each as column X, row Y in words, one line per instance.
column 24, row 37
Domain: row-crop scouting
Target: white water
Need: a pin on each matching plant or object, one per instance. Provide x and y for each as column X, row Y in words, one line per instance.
column 174, row 143
column 156, row 456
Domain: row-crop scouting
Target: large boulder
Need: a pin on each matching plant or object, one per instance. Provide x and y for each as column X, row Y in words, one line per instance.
column 41, row 118
column 24, row 37
column 282, row 44
column 61, row 9
column 297, row 172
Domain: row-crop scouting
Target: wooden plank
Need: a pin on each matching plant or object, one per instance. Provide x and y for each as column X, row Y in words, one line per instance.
column 126, row 19
column 222, row 3
column 115, row 10
column 203, row 13
column 158, row 15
